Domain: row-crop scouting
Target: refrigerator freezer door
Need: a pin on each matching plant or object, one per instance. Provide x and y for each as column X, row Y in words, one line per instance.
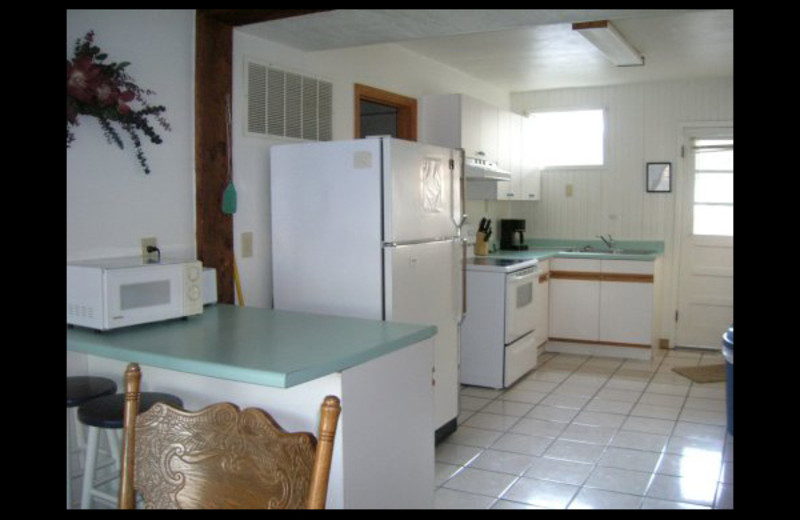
column 422, row 286
column 326, row 232
column 422, row 191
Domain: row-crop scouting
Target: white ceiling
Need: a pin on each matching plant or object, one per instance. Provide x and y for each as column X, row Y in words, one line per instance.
column 527, row 49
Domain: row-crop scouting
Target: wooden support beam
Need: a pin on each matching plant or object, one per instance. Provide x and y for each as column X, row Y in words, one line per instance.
column 213, row 81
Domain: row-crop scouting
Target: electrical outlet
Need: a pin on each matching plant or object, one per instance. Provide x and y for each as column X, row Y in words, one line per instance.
column 247, row 244
column 146, row 242
column 568, row 190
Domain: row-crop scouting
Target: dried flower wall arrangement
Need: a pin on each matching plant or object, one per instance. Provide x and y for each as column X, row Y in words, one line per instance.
column 104, row 90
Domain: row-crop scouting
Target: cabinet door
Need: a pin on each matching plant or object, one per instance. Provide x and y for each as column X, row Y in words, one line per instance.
column 471, row 119
column 490, row 124
column 574, row 309
column 626, row 312
column 530, row 183
column 479, row 128
column 530, row 173
column 509, row 145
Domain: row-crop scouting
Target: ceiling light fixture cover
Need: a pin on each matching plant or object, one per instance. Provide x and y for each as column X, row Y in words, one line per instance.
column 610, row 42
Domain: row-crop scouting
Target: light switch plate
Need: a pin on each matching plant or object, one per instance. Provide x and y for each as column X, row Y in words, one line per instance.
column 247, row 244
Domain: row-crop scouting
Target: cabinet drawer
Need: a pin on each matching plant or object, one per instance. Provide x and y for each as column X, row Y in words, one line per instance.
column 520, row 358
column 576, row 265
column 627, row 266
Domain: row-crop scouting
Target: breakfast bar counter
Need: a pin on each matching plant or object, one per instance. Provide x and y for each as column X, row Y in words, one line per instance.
column 265, row 347
column 286, row 363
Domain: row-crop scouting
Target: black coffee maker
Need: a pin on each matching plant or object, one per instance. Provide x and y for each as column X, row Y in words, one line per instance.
column 512, row 234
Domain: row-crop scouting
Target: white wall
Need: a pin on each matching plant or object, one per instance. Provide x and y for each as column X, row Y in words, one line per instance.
column 111, row 203
column 388, row 67
column 644, row 122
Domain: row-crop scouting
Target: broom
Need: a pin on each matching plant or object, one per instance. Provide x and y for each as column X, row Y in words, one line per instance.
column 229, row 195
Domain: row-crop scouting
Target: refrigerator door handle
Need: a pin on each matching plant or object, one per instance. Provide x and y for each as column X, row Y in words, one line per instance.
column 463, row 280
column 458, row 221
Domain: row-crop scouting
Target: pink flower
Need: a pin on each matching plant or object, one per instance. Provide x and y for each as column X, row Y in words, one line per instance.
column 124, row 98
column 83, row 78
column 106, row 94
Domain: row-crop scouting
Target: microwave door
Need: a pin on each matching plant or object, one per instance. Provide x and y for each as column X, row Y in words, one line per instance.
column 140, row 296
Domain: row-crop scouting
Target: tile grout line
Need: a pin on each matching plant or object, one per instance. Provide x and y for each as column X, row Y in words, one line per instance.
column 571, row 371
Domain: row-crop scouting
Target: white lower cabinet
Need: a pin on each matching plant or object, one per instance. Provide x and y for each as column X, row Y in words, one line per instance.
column 602, row 306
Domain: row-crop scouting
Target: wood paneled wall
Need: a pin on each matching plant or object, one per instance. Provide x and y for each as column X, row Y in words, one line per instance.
column 643, row 123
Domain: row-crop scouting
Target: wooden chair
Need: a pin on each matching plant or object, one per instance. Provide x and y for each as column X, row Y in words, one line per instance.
column 221, row 457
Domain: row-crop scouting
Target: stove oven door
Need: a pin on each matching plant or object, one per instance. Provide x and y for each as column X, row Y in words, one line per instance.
column 520, row 310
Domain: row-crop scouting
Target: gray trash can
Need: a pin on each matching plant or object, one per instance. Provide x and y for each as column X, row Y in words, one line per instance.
column 727, row 353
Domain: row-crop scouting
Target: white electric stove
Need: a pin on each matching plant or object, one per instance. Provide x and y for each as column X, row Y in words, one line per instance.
column 497, row 335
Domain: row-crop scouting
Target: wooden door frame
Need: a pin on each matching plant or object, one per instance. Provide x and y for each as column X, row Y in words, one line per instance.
column 406, row 110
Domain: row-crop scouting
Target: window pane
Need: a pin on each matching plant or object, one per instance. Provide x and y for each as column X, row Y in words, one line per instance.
column 714, row 159
column 713, row 220
column 713, row 187
column 573, row 138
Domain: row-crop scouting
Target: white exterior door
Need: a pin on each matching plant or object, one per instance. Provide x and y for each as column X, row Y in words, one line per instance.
column 705, row 271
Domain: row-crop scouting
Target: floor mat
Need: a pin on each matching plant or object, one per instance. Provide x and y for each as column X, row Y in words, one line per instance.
column 703, row 373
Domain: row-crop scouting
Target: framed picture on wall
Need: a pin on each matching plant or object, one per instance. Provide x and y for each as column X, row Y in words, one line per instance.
column 659, row 177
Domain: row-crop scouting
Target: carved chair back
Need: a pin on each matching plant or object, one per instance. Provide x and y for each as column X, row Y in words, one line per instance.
column 221, row 457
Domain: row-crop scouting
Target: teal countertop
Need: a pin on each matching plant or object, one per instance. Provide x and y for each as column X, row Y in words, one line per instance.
column 544, row 248
column 260, row 346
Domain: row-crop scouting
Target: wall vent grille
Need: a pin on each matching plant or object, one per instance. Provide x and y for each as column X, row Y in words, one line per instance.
column 287, row 104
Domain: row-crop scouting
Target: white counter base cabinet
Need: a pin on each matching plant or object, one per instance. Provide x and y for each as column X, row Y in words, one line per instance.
column 384, row 449
column 603, row 307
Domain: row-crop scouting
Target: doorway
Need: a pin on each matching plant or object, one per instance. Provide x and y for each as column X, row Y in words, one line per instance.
column 705, row 245
column 380, row 112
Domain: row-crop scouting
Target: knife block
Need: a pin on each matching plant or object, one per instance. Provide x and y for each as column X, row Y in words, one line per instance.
column 481, row 245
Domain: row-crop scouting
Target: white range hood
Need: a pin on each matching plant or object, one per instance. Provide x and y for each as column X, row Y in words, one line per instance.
column 478, row 169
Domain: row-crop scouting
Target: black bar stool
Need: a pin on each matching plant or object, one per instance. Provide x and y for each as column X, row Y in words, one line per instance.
column 107, row 413
column 80, row 390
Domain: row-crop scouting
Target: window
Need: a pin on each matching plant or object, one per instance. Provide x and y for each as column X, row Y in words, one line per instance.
column 567, row 138
column 713, row 187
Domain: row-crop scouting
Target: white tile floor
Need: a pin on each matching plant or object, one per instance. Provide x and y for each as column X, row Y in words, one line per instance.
column 592, row 432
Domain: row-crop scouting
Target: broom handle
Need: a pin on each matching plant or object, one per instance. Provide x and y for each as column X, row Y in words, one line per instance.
column 239, row 295
column 228, row 124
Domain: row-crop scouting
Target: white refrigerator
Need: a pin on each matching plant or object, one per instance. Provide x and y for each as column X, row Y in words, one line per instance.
column 371, row 228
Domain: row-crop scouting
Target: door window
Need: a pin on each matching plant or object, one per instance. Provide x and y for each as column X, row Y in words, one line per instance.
column 713, row 187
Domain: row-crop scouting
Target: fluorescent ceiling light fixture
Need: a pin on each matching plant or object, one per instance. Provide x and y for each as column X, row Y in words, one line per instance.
column 610, row 42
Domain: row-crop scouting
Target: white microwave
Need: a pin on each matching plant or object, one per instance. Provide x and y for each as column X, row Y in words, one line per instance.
column 117, row 292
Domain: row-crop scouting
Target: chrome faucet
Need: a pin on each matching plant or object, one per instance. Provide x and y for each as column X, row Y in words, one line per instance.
column 610, row 243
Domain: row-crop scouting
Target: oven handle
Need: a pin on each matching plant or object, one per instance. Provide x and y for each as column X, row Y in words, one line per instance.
column 521, row 277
